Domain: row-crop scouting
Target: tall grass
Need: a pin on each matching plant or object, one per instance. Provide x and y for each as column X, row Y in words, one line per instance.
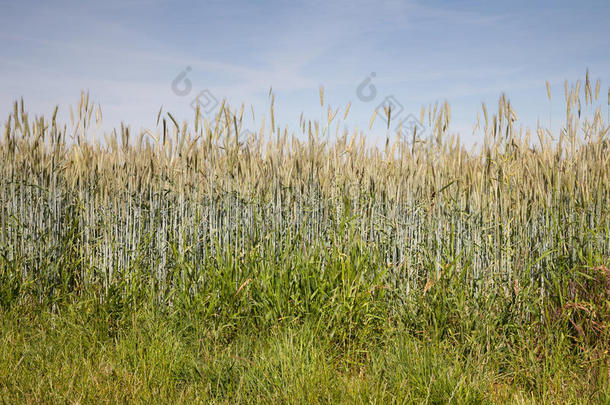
column 192, row 194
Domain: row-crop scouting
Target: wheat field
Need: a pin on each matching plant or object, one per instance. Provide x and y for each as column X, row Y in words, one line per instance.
column 252, row 230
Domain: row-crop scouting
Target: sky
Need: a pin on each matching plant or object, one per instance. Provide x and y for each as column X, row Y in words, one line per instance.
column 134, row 56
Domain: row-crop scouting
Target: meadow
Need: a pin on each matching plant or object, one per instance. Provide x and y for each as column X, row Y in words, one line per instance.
column 199, row 262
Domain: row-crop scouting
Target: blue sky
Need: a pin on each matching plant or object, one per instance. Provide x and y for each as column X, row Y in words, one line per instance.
column 128, row 53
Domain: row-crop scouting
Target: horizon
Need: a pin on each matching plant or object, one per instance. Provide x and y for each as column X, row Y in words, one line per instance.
column 136, row 57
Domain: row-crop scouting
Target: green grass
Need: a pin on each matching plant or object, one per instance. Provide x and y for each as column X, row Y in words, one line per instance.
column 296, row 335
